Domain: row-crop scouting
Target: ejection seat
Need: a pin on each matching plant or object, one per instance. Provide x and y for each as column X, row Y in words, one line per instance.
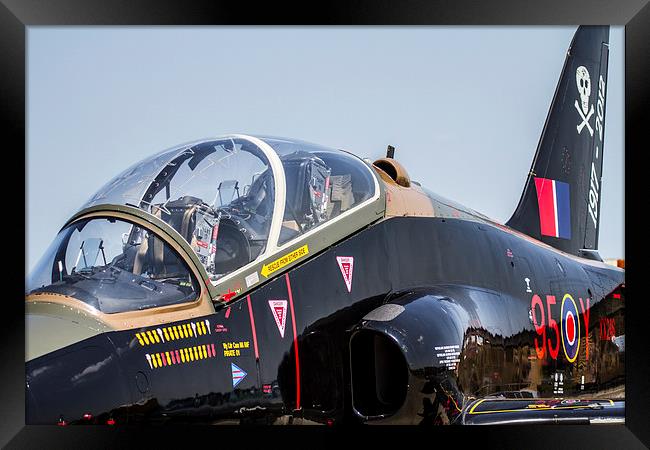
column 157, row 259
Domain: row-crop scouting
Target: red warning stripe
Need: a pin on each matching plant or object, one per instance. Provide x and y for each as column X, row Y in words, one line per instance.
column 250, row 314
column 295, row 341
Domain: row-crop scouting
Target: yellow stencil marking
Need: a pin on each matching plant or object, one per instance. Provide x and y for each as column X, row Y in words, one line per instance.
column 166, row 335
column 159, row 360
column 282, row 261
column 139, row 339
column 175, row 332
column 169, row 360
column 203, row 327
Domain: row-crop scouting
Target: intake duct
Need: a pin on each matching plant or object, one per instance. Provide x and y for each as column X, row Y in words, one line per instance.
column 394, row 170
column 379, row 375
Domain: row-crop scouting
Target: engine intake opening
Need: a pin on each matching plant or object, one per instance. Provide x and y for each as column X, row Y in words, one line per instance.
column 394, row 170
column 379, row 375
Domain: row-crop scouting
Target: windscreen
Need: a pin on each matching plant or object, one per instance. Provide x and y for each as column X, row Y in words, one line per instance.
column 113, row 266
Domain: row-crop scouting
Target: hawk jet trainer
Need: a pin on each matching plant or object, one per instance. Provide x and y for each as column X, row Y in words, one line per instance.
column 257, row 279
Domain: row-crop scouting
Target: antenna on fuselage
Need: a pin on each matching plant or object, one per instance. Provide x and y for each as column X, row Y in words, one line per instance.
column 390, row 152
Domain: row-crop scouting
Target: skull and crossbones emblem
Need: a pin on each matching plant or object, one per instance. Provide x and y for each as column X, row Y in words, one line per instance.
column 583, row 82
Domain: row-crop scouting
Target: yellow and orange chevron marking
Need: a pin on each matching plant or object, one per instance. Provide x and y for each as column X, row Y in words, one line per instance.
column 180, row 356
column 174, row 333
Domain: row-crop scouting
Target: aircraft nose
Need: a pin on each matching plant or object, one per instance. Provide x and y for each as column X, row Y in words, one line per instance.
column 31, row 406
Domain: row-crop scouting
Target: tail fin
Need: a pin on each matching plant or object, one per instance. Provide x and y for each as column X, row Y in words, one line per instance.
column 560, row 204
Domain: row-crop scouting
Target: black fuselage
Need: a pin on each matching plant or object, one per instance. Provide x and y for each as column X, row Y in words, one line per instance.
column 470, row 318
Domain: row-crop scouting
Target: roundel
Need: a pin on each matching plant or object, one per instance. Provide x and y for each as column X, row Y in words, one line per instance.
column 570, row 328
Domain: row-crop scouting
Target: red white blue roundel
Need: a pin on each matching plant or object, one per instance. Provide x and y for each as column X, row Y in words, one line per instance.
column 570, row 328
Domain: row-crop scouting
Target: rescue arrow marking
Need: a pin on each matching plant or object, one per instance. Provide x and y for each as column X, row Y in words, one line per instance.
column 281, row 262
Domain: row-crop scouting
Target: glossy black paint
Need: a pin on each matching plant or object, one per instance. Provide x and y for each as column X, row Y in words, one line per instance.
column 83, row 378
column 546, row 411
column 456, row 282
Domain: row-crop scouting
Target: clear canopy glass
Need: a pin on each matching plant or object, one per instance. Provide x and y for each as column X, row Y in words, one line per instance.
column 113, row 266
column 321, row 184
column 237, row 198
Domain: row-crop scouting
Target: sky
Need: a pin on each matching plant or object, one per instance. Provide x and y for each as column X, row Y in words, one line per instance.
column 463, row 106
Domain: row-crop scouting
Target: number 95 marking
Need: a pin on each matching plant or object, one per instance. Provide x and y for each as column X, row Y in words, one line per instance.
column 568, row 333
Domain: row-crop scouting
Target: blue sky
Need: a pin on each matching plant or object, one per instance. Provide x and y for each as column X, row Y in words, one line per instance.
column 464, row 106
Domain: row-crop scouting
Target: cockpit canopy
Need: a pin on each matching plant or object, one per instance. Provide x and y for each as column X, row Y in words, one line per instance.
column 237, row 198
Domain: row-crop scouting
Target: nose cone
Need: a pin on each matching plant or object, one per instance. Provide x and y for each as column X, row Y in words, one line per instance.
column 53, row 322
column 72, row 369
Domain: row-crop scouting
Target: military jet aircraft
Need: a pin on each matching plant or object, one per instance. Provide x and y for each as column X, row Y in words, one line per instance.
column 256, row 279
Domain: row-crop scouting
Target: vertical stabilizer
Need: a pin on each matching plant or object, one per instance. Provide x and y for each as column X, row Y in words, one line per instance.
column 560, row 204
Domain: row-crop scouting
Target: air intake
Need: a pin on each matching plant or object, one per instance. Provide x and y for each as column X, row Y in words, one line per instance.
column 394, row 170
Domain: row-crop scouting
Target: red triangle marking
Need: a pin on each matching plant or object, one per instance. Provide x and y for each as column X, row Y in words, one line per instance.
column 346, row 264
column 279, row 311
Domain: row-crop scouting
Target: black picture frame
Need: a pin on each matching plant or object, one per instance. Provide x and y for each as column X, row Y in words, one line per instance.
column 17, row 15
